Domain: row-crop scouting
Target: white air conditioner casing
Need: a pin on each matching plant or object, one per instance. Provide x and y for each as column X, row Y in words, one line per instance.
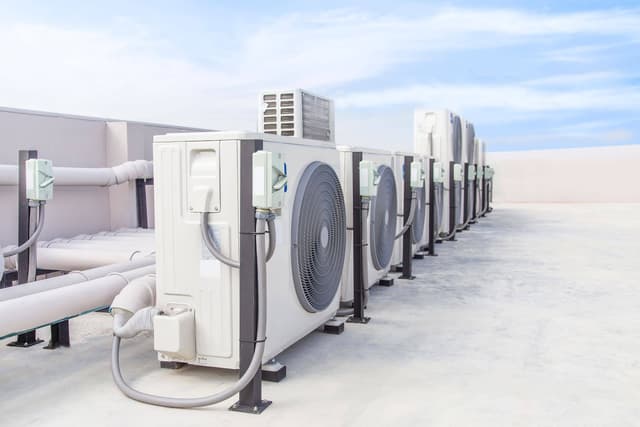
column 419, row 230
column 297, row 113
column 189, row 276
column 479, row 151
column 378, row 158
column 439, row 133
column 468, row 156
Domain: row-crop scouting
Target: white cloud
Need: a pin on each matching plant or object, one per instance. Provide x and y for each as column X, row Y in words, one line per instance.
column 131, row 75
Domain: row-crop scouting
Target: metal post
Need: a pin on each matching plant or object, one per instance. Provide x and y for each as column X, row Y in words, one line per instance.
column 453, row 222
column 483, row 198
column 358, row 261
column 431, row 248
column 465, row 216
column 141, row 203
column 407, row 237
column 474, row 205
column 28, row 338
column 250, row 398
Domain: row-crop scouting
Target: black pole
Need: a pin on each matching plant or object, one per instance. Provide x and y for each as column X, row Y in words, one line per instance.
column 407, row 238
column 453, row 222
column 431, row 248
column 358, row 244
column 250, row 398
column 474, row 205
column 466, row 214
column 483, row 197
column 28, row 338
column 141, row 203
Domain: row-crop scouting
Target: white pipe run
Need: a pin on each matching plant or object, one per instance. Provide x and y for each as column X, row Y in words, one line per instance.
column 99, row 245
column 72, row 278
column 96, row 177
column 40, row 309
column 78, row 259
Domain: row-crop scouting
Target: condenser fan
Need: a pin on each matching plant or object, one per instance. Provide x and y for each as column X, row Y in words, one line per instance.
column 318, row 237
column 418, row 223
column 383, row 213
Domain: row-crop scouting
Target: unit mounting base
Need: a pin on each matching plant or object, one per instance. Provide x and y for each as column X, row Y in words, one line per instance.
column 256, row 410
column 334, row 327
column 385, row 281
column 418, row 255
column 274, row 372
column 172, row 365
column 396, row 268
column 407, row 277
column 353, row 319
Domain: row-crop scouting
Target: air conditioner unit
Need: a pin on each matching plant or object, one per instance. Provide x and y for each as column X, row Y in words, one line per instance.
column 207, row 172
column 419, row 223
column 468, row 159
column 439, row 133
column 377, row 180
column 297, row 113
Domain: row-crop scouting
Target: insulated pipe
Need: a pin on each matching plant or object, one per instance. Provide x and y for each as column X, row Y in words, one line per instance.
column 97, row 245
column 256, row 359
column 71, row 278
column 96, row 177
column 33, row 311
column 77, row 259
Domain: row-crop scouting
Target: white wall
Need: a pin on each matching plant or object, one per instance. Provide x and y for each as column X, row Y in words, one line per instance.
column 80, row 142
column 600, row 174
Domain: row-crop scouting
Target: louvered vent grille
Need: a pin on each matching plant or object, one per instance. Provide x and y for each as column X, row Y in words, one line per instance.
column 297, row 113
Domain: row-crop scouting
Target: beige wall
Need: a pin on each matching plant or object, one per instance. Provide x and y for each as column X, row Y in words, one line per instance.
column 600, row 174
column 79, row 142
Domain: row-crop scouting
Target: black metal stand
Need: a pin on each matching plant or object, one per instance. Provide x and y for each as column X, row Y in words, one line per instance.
column 452, row 203
column 59, row 336
column 431, row 248
column 250, row 398
column 407, row 238
column 483, row 197
column 465, row 195
column 26, row 339
column 474, row 204
column 358, row 261
column 141, row 201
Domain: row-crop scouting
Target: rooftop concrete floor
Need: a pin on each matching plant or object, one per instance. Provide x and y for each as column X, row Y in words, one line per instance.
column 530, row 318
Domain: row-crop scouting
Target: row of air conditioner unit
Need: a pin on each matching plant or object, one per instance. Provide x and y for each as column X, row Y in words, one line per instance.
column 335, row 217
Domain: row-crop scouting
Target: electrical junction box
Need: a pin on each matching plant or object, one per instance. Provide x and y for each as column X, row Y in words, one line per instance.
column 438, row 172
column 368, row 178
column 417, row 175
column 269, row 180
column 471, row 174
column 457, row 172
column 39, row 179
column 480, row 172
column 489, row 172
column 174, row 333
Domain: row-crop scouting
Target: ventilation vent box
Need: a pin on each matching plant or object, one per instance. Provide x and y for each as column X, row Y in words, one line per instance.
column 297, row 113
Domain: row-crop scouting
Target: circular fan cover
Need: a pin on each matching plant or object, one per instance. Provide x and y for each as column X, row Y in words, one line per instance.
column 383, row 213
column 418, row 223
column 318, row 237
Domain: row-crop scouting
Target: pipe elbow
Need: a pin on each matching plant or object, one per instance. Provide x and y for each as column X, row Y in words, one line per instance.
column 138, row 294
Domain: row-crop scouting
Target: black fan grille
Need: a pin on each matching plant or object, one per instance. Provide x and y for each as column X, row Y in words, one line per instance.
column 383, row 213
column 318, row 237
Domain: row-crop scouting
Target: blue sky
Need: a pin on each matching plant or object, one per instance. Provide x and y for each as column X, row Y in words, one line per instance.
column 529, row 75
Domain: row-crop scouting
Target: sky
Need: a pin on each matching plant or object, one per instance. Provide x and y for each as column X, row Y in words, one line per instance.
column 529, row 75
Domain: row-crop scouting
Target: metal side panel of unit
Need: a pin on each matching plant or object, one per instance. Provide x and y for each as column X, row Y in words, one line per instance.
column 187, row 275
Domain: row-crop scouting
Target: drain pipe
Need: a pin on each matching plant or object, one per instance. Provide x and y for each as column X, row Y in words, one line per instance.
column 95, row 177
column 25, row 313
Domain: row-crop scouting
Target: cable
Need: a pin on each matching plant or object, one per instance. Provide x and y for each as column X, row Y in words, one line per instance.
column 256, row 359
column 412, row 214
column 211, row 244
column 32, row 239
column 272, row 237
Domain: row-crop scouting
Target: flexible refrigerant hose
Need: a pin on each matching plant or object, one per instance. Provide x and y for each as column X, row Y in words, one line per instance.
column 256, row 360
column 412, row 214
column 215, row 251
column 34, row 237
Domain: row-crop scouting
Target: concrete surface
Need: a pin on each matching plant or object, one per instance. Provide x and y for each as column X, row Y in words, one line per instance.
column 531, row 318
column 572, row 175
